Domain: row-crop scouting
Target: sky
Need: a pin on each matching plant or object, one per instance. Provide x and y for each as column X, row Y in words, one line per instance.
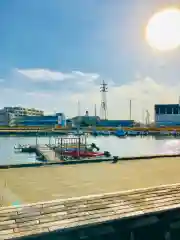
column 54, row 53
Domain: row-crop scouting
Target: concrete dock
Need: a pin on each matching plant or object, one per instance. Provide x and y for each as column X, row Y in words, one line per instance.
column 91, row 199
column 51, row 182
column 75, row 215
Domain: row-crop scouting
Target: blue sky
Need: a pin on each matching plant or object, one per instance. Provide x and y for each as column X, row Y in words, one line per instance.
column 54, row 52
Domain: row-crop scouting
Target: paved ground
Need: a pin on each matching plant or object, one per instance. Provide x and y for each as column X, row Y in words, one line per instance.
column 52, row 182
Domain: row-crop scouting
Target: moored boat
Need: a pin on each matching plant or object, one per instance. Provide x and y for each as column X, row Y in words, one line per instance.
column 82, row 154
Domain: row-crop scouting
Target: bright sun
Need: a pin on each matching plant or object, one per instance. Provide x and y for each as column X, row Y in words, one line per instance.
column 163, row 30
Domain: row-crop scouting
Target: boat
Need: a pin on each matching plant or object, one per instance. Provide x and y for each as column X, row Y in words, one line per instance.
column 83, row 151
column 120, row 132
column 24, row 148
column 83, row 154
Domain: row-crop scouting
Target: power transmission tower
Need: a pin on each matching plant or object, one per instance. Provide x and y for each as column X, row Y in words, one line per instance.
column 103, row 90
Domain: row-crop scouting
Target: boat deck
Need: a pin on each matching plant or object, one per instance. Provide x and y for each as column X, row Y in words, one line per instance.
column 71, row 213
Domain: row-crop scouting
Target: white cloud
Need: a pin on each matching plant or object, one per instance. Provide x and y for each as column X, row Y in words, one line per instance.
column 49, row 75
column 144, row 92
column 44, row 74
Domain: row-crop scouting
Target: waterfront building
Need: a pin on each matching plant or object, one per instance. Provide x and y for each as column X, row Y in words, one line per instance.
column 167, row 115
column 39, row 121
column 84, row 121
column 96, row 121
column 115, row 123
column 8, row 115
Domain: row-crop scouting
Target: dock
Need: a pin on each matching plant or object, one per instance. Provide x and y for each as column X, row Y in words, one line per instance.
column 88, row 216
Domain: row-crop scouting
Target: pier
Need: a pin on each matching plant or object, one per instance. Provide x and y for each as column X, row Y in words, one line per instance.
column 128, row 215
column 67, row 150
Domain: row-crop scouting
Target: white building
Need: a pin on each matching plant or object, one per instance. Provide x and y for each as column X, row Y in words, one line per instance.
column 20, row 111
column 8, row 115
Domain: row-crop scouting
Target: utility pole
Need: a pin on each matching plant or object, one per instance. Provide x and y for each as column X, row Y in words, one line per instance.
column 130, row 109
column 79, row 117
column 95, row 113
column 79, row 109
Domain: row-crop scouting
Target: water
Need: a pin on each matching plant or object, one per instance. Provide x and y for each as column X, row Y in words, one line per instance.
column 131, row 146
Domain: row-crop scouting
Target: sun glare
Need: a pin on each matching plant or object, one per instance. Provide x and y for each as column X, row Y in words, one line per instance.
column 163, row 30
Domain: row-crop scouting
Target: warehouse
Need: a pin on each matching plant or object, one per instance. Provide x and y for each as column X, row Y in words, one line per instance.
column 46, row 120
column 96, row 121
column 167, row 115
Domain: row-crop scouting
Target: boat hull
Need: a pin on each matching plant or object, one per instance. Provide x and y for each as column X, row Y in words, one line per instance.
column 84, row 154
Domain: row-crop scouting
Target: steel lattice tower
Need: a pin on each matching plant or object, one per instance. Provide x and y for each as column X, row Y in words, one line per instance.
column 103, row 110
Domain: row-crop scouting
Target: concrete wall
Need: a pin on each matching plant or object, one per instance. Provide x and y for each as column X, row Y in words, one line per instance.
column 160, row 226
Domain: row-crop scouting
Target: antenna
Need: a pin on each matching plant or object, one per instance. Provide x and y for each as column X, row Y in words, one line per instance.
column 103, row 90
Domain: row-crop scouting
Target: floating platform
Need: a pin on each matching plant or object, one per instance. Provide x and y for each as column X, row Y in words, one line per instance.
column 89, row 216
column 74, row 148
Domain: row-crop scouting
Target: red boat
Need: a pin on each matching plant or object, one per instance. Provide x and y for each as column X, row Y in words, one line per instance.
column 75, row 153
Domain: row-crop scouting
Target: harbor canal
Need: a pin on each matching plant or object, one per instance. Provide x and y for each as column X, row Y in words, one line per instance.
column 123, row 147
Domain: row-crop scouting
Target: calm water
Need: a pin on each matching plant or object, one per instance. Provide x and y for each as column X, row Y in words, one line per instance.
column 134, row 146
